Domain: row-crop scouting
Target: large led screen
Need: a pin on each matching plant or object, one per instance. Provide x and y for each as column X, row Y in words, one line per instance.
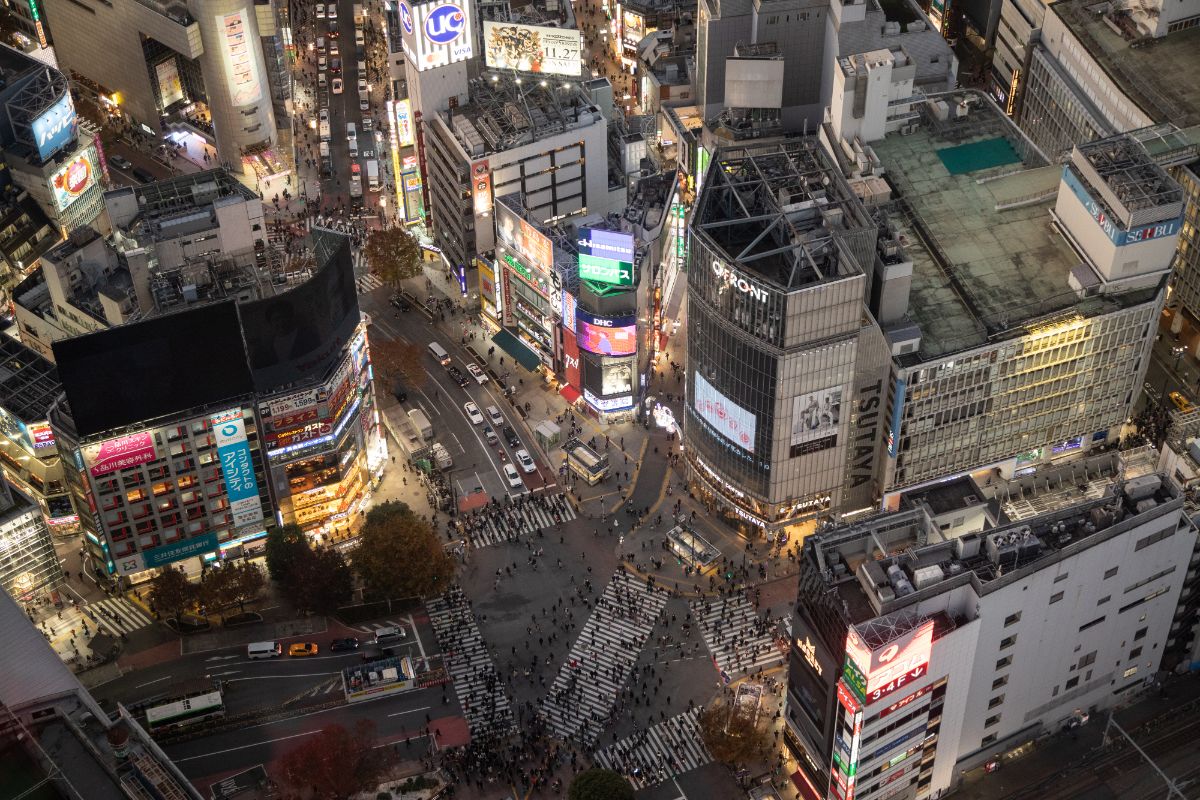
column 607, row 336
column 532, row 48
column 725, row 416
column 815, row 418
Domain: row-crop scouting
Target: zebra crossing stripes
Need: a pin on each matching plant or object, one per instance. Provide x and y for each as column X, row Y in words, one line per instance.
column 479, row 687
column 650, row 757
column 587, row 686
column 529, row 518
column 367, row 283
column 116, row 615
column 736, row 636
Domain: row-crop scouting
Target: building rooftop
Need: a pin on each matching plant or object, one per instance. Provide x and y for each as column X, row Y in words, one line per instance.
column 504, row 114
column 29, row 384
column 973, row 212
column 180, row 205
column 1158, row 75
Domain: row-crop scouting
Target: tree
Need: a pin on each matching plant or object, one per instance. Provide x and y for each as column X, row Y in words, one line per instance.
column 172, row 593
column 399, row 554
column 399, row 360
column 599, row 784
column 284, row 546
column 213, row 592
column 319, row 582
column 394, row 254
column 245, row 583
column 334, row 763
column 734, row 736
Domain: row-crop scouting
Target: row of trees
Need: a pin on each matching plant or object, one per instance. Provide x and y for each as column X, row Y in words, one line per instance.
column 236, row 583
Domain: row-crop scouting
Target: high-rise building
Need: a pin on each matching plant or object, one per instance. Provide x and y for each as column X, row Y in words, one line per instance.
column 918, row 653
column 963, row 338
column 29, row 565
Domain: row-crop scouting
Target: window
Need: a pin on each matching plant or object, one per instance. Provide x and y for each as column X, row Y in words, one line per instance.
column 1062, row 577
column 1054, row 598
column 990, row 721
column 1012, row 619
column 1008, row 641
column 1110, row 572
column 1001, row 681
column 1153, row 538
column 1104, row 599
column 1150, row 579
column 1134, row 653
column 1141, row 634
column 1004, row 662
column 995, row 701
column 1091, row 624
column 1087, row 660
column 1127, row 673
column 985, row 741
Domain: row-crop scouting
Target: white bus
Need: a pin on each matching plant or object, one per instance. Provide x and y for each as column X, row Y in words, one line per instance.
column 188, row 711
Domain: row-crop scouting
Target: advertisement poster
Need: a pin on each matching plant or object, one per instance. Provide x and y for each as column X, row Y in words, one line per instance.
column 241, row 66
column 616, row 377
column 237, row 468
column 528, row 241
column 815, row 418
column 606, row 256
column 404, row 127
column 725, row 416
column 56, row 127
column 481, row 187
column 121, row 453
column 607, row 336
column 633, row 28
column 438, row 33
column 169, row 85
column 569, row 311
column 73, row 179
column 532, row 48
column 41, row 435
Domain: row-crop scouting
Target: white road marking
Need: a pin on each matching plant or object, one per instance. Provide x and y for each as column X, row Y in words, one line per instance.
column 244, row 746
column 412, row 711
column 412, row 624
column 151, row 683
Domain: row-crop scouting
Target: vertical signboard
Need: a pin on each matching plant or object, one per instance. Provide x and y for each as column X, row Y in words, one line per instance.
column 241, row 65
column 897, row 418
column 570, row 358
column 402, row 111
column 437, row 33
column 56, row 127
column 237, row 468
column 481, row 187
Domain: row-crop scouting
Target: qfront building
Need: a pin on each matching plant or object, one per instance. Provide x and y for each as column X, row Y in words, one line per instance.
column 917, row 653
column 1002, row 317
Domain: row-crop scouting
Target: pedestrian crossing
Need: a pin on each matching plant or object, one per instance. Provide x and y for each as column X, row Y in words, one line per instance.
column 495, row 526
column 479, row 687
column 649, row 757
column 116, row 615
column 585, row 691
column 739, row 640
column 368, row 283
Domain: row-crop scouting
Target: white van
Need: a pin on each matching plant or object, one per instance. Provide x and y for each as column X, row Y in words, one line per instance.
column 264, row 650
column 439, row 352
column 513, row 477
column 495, row 416
column 389, row 634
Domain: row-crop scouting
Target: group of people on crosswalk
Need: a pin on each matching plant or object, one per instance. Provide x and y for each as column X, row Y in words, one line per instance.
column 740, row 639
column 652, row 754
column 513, row 519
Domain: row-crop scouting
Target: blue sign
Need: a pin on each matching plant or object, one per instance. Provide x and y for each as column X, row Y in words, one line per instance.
column 445, row 24
column 55, row 128
column 177, row 551
column 1112, row 228
column 237, row 467
column 462, row 279
column 406, row 17
column 897, row 418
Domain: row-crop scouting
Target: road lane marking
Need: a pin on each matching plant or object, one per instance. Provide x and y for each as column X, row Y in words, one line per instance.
column 276, row 677
column 412, row 623
column 151, row 683
column 411, row 711
column 244, row 746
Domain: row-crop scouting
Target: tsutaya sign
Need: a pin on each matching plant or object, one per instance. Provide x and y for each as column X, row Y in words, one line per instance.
column 734, row 280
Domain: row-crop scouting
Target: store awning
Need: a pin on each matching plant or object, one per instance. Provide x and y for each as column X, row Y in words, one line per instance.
column 570, row 393
column 517, row 349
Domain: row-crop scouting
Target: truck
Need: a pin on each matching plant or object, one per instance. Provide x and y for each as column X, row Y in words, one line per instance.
column 358, row 15
column 373, row 175
column 355, row 184
column 421, row 422
column 441, row 457
column 324, row 130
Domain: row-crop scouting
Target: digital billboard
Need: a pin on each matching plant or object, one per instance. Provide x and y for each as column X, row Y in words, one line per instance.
column 616, row 376
column 633, row 28
column 120, row 453
column 404, row 128
column 607, row 403
column 73, row 178
column 241, row 60
column 890, row 664
column 606, row 336
column 606, row 256
column 815, row 419
column 143, row 370
column 481, row 187
column 436, row 34
column 241, row 488
column 725, row 416
column 530, row 243
column 532, row 48
column 56, row 127
column 299, row 334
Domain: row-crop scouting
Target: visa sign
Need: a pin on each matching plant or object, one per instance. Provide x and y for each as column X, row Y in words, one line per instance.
column 55, row 128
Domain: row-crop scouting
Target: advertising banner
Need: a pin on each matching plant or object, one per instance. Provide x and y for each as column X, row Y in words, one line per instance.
column 633, row 28
column 606, row 256
column 40, row 435
column 607, row 403
column 899, row 657
column 73, row 179
column 481, row 187
column 177, row 551
column 607, row 336
column 236, row 466
column 169, row 86
column 569, row 311
column 815, row 419
column 571, row 358
column 725, row 416
column 294, row 402
column 241, row 64
column 56, row 127
column 897, row 418
column 120, row 453
column 437, row 33
column 616, row 376
column 532, row 48
column 530, row 243
column 404, row 126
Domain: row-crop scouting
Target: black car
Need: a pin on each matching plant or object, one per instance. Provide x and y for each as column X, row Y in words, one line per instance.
column 343, row 645
column 511, row 437
column 400, row 394
column 400, row 303
column 459, row 378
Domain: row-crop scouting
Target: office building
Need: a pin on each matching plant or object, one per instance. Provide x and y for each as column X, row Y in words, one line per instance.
column 545, row 142
column 29, row 565
column 205, row 69
column 1006, row 343
column 918, row 653
column 29, row 456
column 56, row 741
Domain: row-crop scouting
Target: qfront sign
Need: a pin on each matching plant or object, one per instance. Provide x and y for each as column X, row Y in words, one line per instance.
column 737, row 282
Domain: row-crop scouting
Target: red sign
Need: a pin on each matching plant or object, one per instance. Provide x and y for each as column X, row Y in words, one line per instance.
column 41, row 435
column 885, row 664
column 121, row 453
column 898, row 682
column 291, row 420
column 899, row 704
column 847, row 699
column 570, row 358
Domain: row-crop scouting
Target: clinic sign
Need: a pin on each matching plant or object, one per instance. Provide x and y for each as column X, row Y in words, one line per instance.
column 437, row 34
column 237, row 467
column 56, row 127
column 121, row 453
column 1116, row 234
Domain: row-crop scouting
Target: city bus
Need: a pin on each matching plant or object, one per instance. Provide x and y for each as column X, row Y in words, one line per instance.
column 188, row 711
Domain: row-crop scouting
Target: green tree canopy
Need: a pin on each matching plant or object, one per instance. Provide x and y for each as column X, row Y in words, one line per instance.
column 393, row 254
column 319, row 582
column 399, row 554
column 284, row 547
column 599, row 784
column 172, row 593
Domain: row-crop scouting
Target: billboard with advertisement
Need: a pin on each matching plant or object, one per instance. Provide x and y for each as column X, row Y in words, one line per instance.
column 616, row 376
column 481, row 187
column 886, row 663
column 570, row 309
column 633, row 28
column 40, row 435
column 570, row 358
column 725, row 416
column 237, row 467
column 402, row 112
column 56, row 127
column 530, row 243
column 606, row 256
column 73, row 178
column 532, row 48
column 238, row 51
column 436, row 34
column 606, row 336
column 607, row 403
column 815, row 419
column 170, row 88
column 120, row 453
column 177, row 551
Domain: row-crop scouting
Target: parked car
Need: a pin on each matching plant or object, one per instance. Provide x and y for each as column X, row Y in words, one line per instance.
column 303, row 649
column 343, row 645
column 473, row 413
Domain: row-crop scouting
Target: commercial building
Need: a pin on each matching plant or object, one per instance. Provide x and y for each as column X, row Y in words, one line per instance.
column 202, row 68
column 29, row 565
column 918, row 653
column 1003, row 345
column 545, row 140
column 56, row 741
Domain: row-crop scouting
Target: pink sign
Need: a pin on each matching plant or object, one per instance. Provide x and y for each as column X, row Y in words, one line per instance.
column 122, row 452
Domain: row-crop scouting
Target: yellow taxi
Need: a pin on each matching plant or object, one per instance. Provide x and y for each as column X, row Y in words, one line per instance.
column 1181, row 402
column 302, row 649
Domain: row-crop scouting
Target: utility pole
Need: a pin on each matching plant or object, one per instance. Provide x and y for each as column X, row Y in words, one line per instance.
column 1173, row 791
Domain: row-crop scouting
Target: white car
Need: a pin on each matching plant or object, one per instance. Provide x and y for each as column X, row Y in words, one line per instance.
column 359, row 39
column 362, row 84
column 473, row 413
column 321, row 62
column 332, row 11
column 333, row 49
column 324, row 115
column 495, row 416
column 477, row 373
column 337, row 85
column 525, row 461
column 363, row 103
column 513, row 478
column 320, row 11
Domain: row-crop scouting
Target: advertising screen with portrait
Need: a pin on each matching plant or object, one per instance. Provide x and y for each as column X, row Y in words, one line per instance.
column 815, row 418
column 532, row 48
column 616, row 377
column 530, row 243
column 725, row 416
column 607, row 336
column 73, row 178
